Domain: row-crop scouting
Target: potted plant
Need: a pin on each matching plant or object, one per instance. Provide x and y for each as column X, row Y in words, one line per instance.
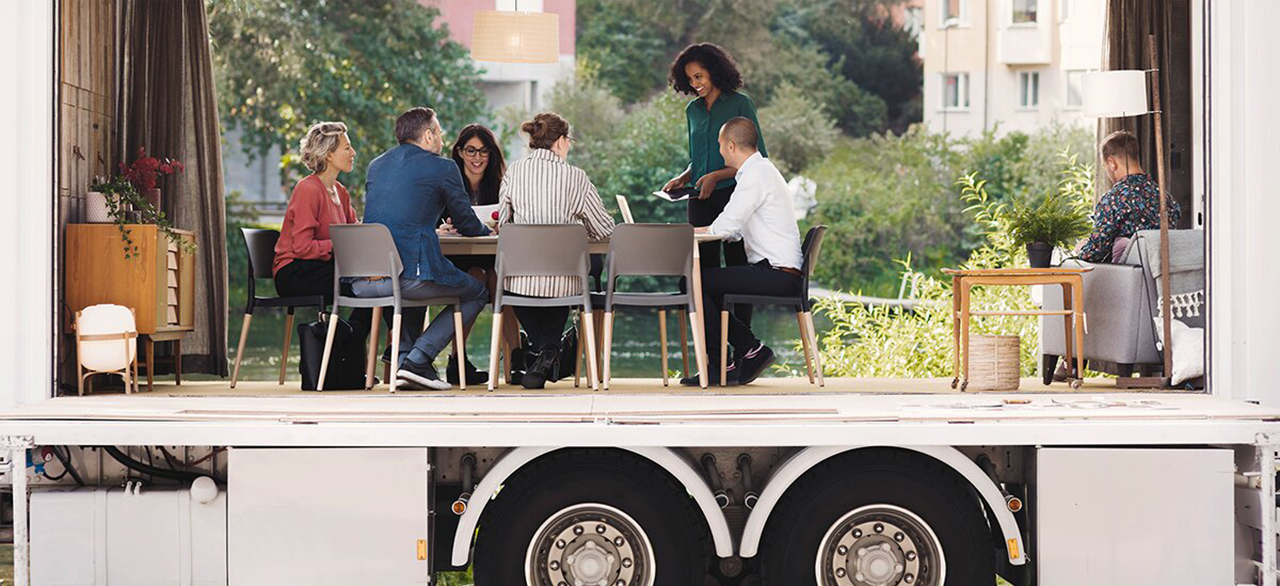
column 1059, row 220
column 132, row 197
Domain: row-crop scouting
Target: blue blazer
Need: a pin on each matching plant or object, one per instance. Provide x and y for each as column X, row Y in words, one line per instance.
column 407, row 189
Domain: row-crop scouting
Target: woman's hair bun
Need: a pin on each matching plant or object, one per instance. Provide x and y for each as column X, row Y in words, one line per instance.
column 545, row 129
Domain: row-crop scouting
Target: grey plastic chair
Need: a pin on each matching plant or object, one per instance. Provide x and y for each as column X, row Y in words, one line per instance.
column 654, row 250
column 367, row 251
column 811, row 247
column 550, row 250
column 261, row 245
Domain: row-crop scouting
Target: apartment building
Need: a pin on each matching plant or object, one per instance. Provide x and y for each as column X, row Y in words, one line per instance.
column 1007, row 64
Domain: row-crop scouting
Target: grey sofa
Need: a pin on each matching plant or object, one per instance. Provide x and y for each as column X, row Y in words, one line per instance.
column 1121, row 301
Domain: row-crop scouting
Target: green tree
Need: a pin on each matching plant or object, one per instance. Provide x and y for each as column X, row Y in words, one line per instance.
column 799, row 132
column 282, row 65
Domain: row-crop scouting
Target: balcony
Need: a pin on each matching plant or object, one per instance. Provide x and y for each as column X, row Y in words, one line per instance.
column 1024, row 44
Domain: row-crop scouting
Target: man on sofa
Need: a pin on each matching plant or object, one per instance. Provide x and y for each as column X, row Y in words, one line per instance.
column 1132, row 203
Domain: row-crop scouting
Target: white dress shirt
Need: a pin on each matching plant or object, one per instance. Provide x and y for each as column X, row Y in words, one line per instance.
column 760, row 213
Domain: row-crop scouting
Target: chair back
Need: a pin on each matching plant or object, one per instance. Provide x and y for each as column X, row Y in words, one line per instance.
column 261, row 245
column 107, row 354
column 656, row 250
column 543, row 250
column 811, row 247
column 364, row 250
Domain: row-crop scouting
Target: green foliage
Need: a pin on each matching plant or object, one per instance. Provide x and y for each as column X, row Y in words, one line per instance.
column 799, row 132
column 632, row 59
column 883, row 341
column 1059, row 220
column 123, row 203
column 282, row 65
column 893, row 196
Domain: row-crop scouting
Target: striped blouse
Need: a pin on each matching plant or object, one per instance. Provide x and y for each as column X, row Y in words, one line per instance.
column 544, row 189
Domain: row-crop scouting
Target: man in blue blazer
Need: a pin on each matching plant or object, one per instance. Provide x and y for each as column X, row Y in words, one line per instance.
column 407, row 190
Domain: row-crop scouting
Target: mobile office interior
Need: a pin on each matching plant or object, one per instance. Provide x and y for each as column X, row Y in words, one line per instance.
column 1234, row 78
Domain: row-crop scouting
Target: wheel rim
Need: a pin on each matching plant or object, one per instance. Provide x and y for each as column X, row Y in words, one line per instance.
column 590, row 545
column 880, row 545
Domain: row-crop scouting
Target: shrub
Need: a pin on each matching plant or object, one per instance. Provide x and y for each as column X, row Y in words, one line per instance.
column 883, row 341
column 797, row 131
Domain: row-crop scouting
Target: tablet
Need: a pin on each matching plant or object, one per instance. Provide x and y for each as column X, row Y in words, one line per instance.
column 680, row 194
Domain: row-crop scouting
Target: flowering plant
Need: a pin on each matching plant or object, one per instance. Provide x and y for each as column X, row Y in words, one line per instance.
column 146, row 171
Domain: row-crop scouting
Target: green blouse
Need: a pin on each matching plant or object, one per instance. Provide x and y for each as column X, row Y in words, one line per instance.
column 704, row 132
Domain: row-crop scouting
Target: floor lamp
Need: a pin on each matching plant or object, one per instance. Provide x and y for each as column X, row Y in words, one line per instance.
column 1119, row 94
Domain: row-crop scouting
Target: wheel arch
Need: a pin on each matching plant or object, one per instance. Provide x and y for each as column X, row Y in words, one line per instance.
column 515, row 459
column 804, row 460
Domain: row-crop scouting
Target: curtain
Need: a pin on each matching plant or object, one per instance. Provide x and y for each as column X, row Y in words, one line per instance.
column 167, row 105
column 1128, row 26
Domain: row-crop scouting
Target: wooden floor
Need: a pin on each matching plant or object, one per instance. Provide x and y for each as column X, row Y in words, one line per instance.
column 630, row 386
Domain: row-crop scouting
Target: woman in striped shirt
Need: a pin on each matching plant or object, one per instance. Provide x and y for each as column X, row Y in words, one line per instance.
column 543, row 188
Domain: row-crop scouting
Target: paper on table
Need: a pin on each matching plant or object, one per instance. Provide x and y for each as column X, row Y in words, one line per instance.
column 680, row 194
column 485, row 213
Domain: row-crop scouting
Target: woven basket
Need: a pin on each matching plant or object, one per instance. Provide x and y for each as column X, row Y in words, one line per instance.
column 994, row 363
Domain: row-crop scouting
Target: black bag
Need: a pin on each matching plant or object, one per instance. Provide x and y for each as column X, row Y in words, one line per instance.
column 568, row 355
column 346, row 358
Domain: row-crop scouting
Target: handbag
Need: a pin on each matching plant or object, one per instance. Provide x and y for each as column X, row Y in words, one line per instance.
column 346, row 357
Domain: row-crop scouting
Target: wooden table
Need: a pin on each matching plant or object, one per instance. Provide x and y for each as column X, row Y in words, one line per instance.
column 1070, row 279
column 488, row 245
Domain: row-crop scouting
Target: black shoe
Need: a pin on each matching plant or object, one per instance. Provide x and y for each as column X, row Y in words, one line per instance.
column 423, row 375
column 540, row 371
column 474, row 377
column 713, row 376
column 754, row 363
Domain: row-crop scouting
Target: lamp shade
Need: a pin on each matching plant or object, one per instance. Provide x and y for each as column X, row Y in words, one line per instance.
column 516, row 37
column 1114, row 94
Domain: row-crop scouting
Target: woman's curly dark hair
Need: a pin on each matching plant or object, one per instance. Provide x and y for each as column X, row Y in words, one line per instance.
column 723, row 69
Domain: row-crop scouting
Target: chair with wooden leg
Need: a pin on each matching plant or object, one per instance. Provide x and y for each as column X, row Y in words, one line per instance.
column 367, row 251
column 647, row 250
column 803, row 305
column 543, row 250
column 261, row 246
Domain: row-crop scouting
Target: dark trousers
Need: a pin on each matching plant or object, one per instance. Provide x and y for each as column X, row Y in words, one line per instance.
column 756, row 279
column 544, row 325
column 702, row 212
column 315, row 277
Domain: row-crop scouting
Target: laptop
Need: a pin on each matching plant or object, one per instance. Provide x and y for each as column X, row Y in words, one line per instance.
column 625, row 209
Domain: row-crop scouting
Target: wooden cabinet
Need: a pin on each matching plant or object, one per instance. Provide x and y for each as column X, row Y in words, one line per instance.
column 158, row 283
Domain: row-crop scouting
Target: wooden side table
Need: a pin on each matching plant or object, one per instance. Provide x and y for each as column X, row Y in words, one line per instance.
column 1070, row 279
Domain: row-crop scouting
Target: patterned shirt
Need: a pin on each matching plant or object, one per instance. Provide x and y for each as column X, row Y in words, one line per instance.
column 1132, row 204
column 544, row 189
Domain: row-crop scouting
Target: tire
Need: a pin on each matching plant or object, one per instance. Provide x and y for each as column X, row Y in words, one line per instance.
column 934, row 505
column 637, row 500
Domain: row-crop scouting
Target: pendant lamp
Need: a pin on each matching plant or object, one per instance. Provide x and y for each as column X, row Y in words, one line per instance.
column 1114, row 94
column 516, row 37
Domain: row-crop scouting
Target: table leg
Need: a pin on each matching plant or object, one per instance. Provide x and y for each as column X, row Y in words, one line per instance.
column 1077, row 320
column 1066, row 327
column 956, row 283
column 662, row 345
column 284, row 354
column 684, row 340
column 177, row 362
column 965, row 292
column 151, row 363
column 695, row 320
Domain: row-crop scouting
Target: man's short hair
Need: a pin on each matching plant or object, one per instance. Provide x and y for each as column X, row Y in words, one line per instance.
column 414, row 122
column 742, row 132
column 1120, row 143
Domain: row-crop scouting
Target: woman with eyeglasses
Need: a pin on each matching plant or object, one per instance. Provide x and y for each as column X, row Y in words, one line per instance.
column 543, row 188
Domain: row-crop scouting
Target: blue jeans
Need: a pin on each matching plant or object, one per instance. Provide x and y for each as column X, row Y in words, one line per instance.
column 473, row 297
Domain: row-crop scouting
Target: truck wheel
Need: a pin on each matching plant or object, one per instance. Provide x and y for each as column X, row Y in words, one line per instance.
column 591, row 517
column 878, row 517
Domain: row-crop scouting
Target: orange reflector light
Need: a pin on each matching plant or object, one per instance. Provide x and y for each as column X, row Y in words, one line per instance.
column 1013, row 549
column 1014, row 503
column 459, row 507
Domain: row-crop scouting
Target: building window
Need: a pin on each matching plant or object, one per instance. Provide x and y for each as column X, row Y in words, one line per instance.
column 955, row 91
column 1075, row 99
column 1029, row 89
column 1024, row 11
column 954, row 12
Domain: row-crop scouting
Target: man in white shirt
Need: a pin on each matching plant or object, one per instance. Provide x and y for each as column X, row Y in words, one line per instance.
column 761, row 214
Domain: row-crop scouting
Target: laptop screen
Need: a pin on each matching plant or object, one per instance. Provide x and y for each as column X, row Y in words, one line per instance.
column 625, row 209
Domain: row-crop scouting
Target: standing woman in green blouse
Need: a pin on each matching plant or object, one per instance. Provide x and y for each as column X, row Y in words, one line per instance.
column 707, row 71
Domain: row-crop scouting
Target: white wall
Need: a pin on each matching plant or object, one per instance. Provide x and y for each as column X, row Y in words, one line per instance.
column 1244, row 251
column 27, row 165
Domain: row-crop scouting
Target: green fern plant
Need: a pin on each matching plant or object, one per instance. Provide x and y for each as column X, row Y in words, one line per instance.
column 1061, row 218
